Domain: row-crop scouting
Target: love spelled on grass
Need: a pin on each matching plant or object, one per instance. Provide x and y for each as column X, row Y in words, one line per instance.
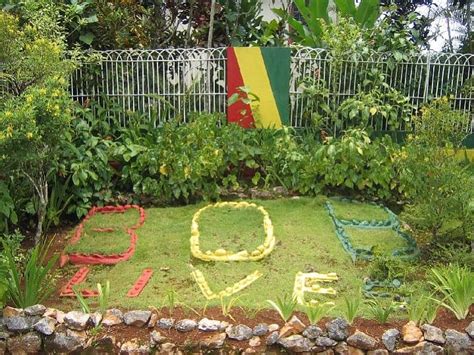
column 306, row 241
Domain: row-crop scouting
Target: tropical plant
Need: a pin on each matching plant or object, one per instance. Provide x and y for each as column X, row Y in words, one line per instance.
column 352, row 305
column 103, row 295
column 455, row 285
column 422, row 309
column 316, row 311
column 284, row 306
column 28, row 284
column 226, row 307
column 314, row 13
column 85, row 308
column 380, row 311
column 170, row 301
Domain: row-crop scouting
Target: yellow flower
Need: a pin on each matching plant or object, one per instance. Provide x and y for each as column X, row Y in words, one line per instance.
column 9, row 131
column 29, row 135
column 373, row 111
column 29, row 99
column 187, row 172
column 164, row 170
column 8, row 114
column 42, row 91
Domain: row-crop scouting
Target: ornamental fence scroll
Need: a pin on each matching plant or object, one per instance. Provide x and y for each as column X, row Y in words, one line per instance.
column 166, row 83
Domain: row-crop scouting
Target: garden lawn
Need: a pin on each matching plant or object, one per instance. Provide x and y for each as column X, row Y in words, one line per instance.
column 305, row 236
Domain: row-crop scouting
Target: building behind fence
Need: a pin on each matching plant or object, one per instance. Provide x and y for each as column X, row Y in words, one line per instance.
column 166, row 83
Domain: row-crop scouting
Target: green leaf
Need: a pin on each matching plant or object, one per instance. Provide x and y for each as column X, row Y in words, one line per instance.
column 87, row 38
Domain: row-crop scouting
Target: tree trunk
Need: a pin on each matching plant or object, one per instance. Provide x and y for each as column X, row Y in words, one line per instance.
column 211, row 24
column 448, row 25
column 42, row 206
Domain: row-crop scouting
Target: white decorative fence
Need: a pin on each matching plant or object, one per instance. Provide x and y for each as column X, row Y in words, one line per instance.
column 166, row 83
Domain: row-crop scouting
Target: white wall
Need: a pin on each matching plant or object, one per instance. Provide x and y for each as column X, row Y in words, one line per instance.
column 267, row 6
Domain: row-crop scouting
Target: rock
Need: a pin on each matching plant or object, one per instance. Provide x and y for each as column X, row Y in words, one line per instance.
column 165, row 323
column 296, row 343
column 470, row 329
column 260, row 329
column 186, row 325
column 273, row 327
column 12, row 312
column 50, row 312
column 214, row 341
column 29, row 343
column 341, row 348
column 362, row 341
column 103, row 345
column 427, row 348
column 390, row 338
column 326, row 352
column 272, row 339
column 153, row 320
column 136, row 318
column 19, row 323
column 132, row 347
column 457, row 341
column 60, row 342
column 422, row 348
column 36, row 310
column 45, row 325
column 76, row 320
column 255, row 341
column 239, row 332
column 338, row 329
column 312, row 332
column 411, row 334
column 433, row 334
column 223, row 325
column 378, row 352
column 293, row 326
column 249, row 351
column 209, row 325
column 167, row 348
column 95, row 319
column 112, row 317
column 325, row 342
column 156, row 338
column 60, row 316
column 354, row 351
column 4, row 335
column 296, row 323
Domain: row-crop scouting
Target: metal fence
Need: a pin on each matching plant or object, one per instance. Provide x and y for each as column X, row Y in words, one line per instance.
column 166, row 83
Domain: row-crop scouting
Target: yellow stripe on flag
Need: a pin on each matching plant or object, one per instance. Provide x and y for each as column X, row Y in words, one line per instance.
column 254, row 74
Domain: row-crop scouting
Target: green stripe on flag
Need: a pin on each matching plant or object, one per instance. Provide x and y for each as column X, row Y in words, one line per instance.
column 277, row 63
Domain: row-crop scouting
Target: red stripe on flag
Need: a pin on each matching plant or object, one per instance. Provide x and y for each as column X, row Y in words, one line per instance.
column 238, row 112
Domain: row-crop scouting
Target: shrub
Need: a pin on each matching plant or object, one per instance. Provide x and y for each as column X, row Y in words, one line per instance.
column 354, row 162
column 28, row 284
column 456, row 286
column 438, row 187
column 31, row 127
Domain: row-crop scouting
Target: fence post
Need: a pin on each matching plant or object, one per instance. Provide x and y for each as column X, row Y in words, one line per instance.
column 427, row 80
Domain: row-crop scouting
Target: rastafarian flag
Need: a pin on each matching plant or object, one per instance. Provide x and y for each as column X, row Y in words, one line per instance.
column 261, row 78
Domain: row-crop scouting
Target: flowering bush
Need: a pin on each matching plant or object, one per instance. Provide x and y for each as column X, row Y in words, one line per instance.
column 31, row 128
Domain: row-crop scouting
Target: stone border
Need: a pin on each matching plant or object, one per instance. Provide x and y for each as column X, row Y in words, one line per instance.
column 38, row 329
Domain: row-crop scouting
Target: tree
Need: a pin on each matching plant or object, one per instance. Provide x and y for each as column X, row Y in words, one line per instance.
column 35, row 110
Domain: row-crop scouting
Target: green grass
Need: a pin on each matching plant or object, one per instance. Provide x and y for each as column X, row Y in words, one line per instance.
column 384, row 240
column 357, row 210
column 306, row 242
column 106, row 242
